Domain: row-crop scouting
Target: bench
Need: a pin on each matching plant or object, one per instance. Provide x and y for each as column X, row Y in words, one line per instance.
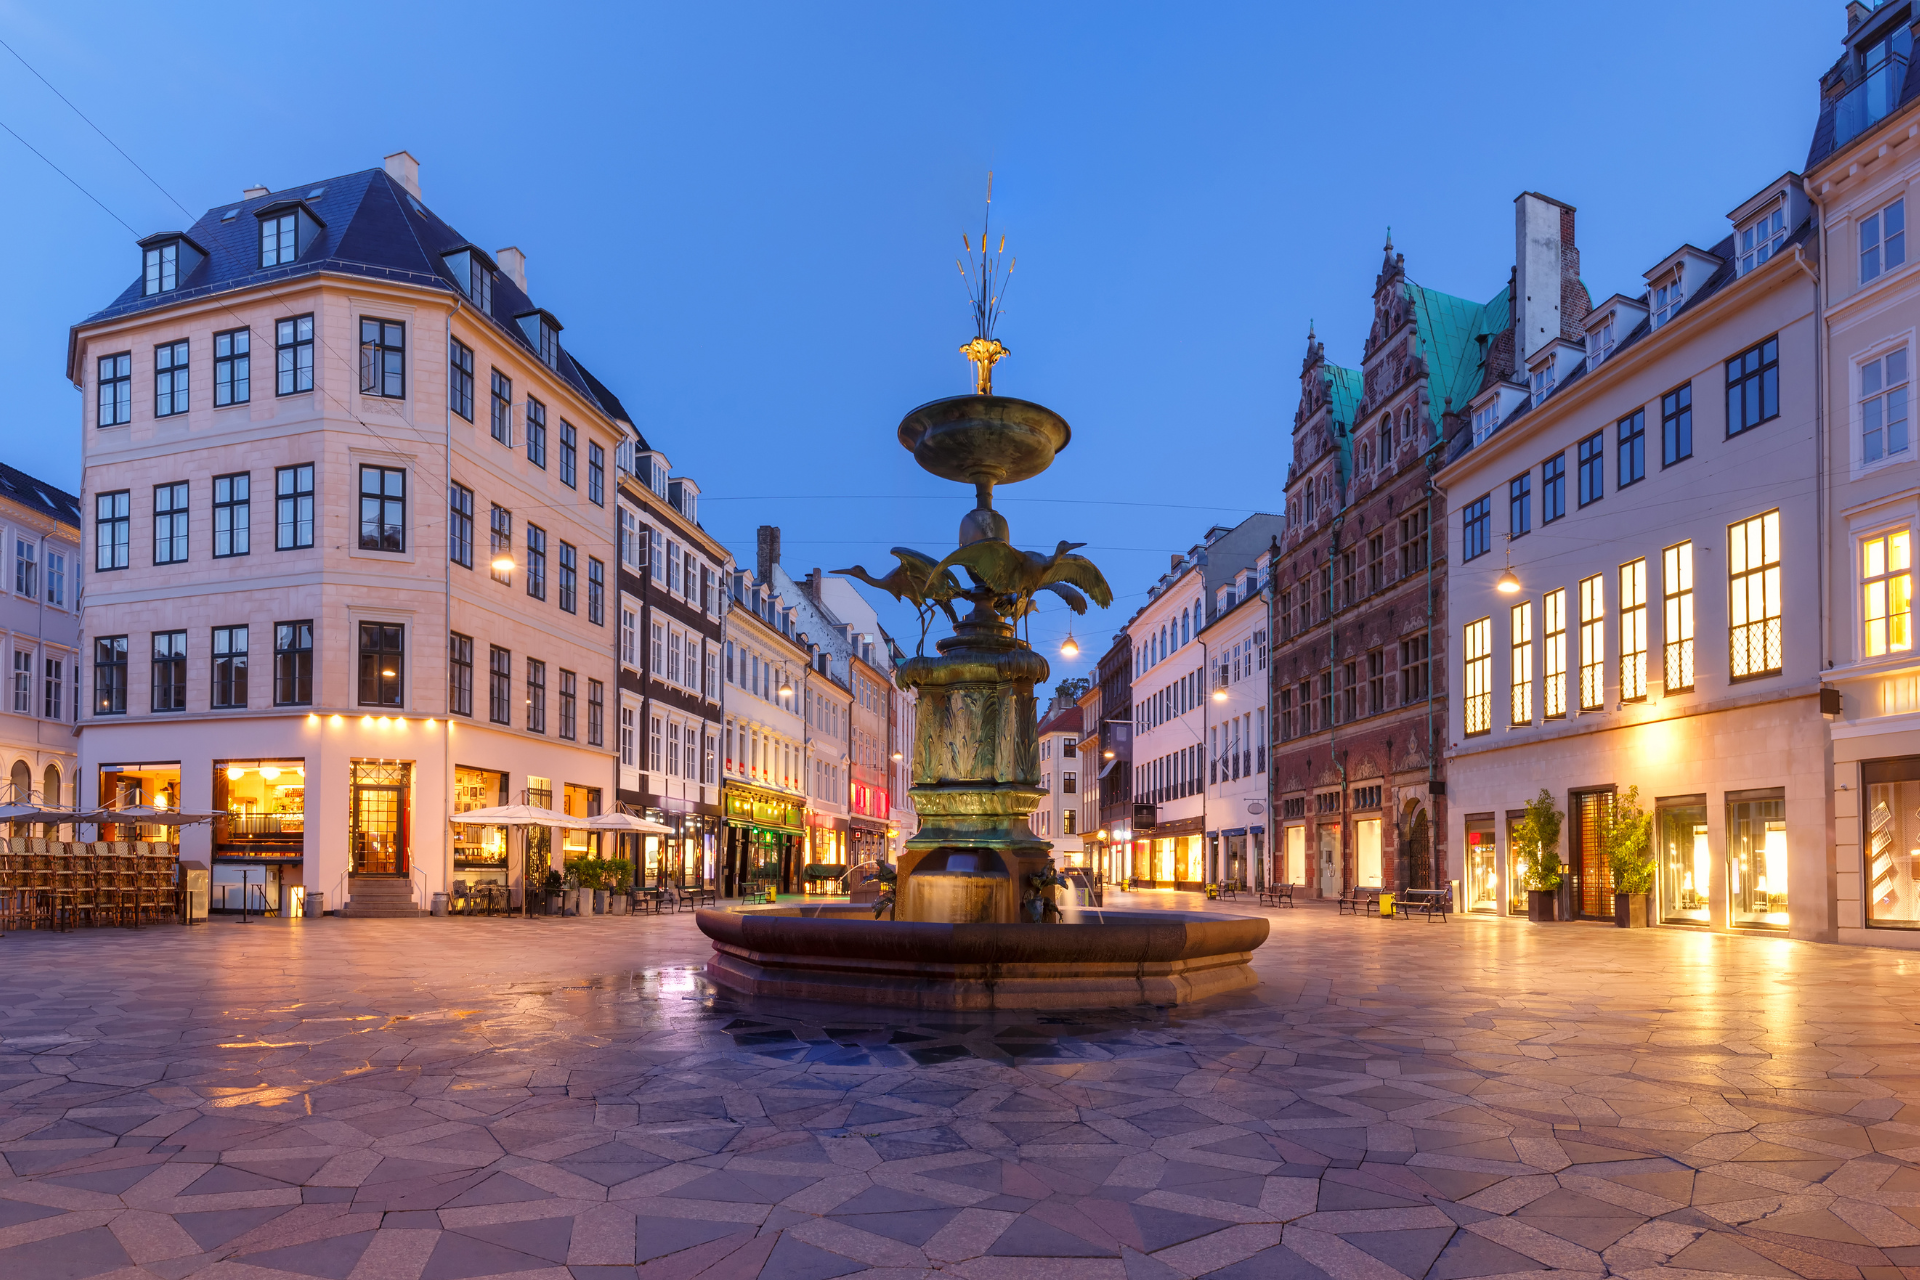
column 1351, row 900
column 1430, row 901
column 1277, row 895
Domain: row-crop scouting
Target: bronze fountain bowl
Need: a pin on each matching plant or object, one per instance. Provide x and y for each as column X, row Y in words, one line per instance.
column 974, row 438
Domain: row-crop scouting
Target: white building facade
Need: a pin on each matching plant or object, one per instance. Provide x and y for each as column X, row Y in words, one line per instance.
column 40, row 624
column 1238, row 790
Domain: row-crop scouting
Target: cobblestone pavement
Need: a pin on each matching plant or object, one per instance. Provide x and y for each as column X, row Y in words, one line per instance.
column 434, row 1099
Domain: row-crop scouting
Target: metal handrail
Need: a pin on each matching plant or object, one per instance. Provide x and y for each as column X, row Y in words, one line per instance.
column 1870, row 101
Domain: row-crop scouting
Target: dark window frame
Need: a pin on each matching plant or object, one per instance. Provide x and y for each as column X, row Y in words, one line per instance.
column 500, row 407
column 293, row 507
column 1676, row 425
column 569, row 454
column 113, row 390
column 460, row 378
column 229, row 667
column 596, row 712
column 113, row 512
column 569, row 577
column 536, row 696
column 293, row 355
column 1754, row 374
column 1592, row 468
column 172, row 378
column 379, row 643
column 279, row 239
column 1553, row 488
column 232, row 367
column 389, row 510
column 596, row 474
column 499, row 685
column 536, row 561
column 1520, row 505
column 596, row 592
column 459, row 674
column 569, row 704
column 460, row 525
column 233, row 515
column 169, row 671
column 536, row 433
column 179, row 499
column 110, row 675
column 1476, row 528
column 1630, row 449
column 293, row 663
column 383, row 358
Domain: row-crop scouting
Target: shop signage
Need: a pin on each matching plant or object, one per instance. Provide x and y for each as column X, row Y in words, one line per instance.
column 763, row 809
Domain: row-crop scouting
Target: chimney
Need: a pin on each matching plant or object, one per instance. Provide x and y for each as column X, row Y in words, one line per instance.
column 253, row 193
column 405, row 170
column 1548, row 300
column 514, row 263
column 1175, row 566
column 767, row 552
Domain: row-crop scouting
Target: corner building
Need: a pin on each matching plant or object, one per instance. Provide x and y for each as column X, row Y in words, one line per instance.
column 349, row 526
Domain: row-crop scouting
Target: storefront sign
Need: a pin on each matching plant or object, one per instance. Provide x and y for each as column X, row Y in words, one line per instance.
column 764, row 809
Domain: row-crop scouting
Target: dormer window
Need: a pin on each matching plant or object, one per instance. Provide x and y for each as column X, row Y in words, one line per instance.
column 473, row 271
column 1542, row 381
column 1603, row 340
column 543, row 331
column 163, row 268
column 1485, row 419
column 1666, row 302
column 1763, row 238
column 166, row 260
column 287, row 227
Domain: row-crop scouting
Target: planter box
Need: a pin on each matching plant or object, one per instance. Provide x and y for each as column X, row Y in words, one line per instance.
column 1543, row 905
column 619, row 903
column 1630, row 910
column 599, row 902
column 553, row 904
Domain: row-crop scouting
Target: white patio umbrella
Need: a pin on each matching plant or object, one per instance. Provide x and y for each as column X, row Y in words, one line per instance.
column 147, row 816
column 515, row 815
column 626, row 822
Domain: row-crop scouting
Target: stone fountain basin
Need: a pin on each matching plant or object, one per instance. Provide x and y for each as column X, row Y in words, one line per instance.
column 1094, row 959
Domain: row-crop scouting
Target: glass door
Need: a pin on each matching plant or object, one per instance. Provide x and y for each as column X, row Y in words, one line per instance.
column 1592, row 880
column 380, row 834
column 1366, row 852
column 1757, row 861
column 1330, row 862
column 1483, row 868
column 1685, row 865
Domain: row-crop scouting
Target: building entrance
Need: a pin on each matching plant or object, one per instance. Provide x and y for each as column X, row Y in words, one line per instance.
column 1592, row 881
column 381, row 808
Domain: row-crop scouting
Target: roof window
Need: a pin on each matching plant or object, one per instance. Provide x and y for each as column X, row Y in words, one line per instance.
column 543, row 331
column 473, row 271
column 287, row 228
column 166, row 261
column 1762, row 238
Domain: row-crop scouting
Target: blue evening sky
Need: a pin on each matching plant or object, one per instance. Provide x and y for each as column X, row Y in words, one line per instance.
column 747, row 215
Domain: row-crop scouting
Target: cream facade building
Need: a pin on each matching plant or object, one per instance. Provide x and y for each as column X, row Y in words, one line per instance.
column 1063, row 767
column 40, row 626
column 347, row 511
column 1238, row 788
column 1628, row 519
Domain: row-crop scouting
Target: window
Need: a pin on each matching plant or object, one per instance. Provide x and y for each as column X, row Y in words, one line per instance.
column 1485, row 419
column 1478, row 653
column 293, row 507
column 1520, row 504
column 1602, row 340
column 460, row 378
column 383, row 508
column 1593, row 461
column 382, row 663
column 1886, row 564
column 23, row 681
column 596, row 592
column 1348, row 561
column 673, row 656
column 569, row 576
column 1349, row 694
column 1676, row 564
column 1475, row 521
column 596, row 474
column 383, row 358
column 54, row 688
column 1593, row 642
column 110, row 675
column 568, row 699
column 293, row 663
column 656, row 557
column 169, row 671
column 232, row 367
column 170, row 523
column 115, row 390
column 1542, row 381
column 460, row 525
column 1676, row 425
column 1633, row 631
column 627, row 736
column 1667, row 299
column 1753, row 386
column 1413, row 542
column 536, row 562
column 500, row 545
column 1753, row 594
column 628, row 636
column 1414, row 684
column 1376, row 682
column 161, row 269
column 1520, row 672
column 56, row 579
column 499, row 685
column 1069, row 784
column 1883, row 241
column 110, row 530
column 1376, row 566
column 1553, row 620
column 459, row 674
column 169, row 379
column 569, row 454
column 673, row 567
column 279, row 239
column 1763, row 238
column 26, row 567
column 293, row 355
column 229, row 666
column 597, row 714
column 536, row 696
column 503, row 408
column 232, row 518
column 1553, row 488
column 1883, row 406
column 1631, row 453
column 536, row 433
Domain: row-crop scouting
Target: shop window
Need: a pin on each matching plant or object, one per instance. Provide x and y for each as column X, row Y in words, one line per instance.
column 479, row 852
column 123, row 786
column 1516, row 870
column 1891, row 842
column 1757, row 858
column 1686, row 865
column 263, row 806
column 1483, row 866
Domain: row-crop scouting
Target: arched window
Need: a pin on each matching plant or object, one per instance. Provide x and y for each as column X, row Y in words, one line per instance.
column 50, row 786
column 1163, row 644
column 1406, row 424
column 1183, row 626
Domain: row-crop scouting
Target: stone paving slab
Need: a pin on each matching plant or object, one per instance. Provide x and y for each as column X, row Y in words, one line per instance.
column 445, row 1099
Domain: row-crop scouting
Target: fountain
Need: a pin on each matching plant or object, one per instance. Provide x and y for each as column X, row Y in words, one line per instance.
column 976, row 917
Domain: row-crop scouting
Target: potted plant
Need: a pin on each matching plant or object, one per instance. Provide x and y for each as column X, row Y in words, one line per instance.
column 554, row 885
column 1536, row 843
column 617, row 875
column 1627, row 838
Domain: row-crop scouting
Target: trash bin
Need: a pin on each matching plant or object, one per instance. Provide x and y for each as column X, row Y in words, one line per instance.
column 1386, row 905
column 316, row 904
column 439, row 904
column 197, row 888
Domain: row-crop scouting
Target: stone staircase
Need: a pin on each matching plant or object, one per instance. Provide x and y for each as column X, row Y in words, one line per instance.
column 380, row 898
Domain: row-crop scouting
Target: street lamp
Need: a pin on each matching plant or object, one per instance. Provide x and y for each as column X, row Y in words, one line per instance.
column 1506, row 583
column 1220, row 694
column 1071, row 649
column 503, row 564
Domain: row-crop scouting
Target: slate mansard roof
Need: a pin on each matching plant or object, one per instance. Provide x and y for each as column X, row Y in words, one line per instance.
column 38, row 495
column 371, row 227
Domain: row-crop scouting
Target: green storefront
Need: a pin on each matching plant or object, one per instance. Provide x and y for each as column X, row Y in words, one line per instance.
column 766, row 834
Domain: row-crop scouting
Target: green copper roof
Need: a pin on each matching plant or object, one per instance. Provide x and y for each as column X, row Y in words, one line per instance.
column 1345, row 388
column 1449, row 327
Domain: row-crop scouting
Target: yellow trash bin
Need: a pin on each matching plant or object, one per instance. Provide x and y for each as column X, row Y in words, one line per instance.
column 1386, row 905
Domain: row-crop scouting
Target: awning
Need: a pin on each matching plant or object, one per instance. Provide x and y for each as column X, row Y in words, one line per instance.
column 515, row 815
column 1234, row 831
column 1107, row 768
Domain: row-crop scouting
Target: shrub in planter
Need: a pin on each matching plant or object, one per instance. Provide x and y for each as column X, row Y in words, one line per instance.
column 1627, row 837
column 1536, row 843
